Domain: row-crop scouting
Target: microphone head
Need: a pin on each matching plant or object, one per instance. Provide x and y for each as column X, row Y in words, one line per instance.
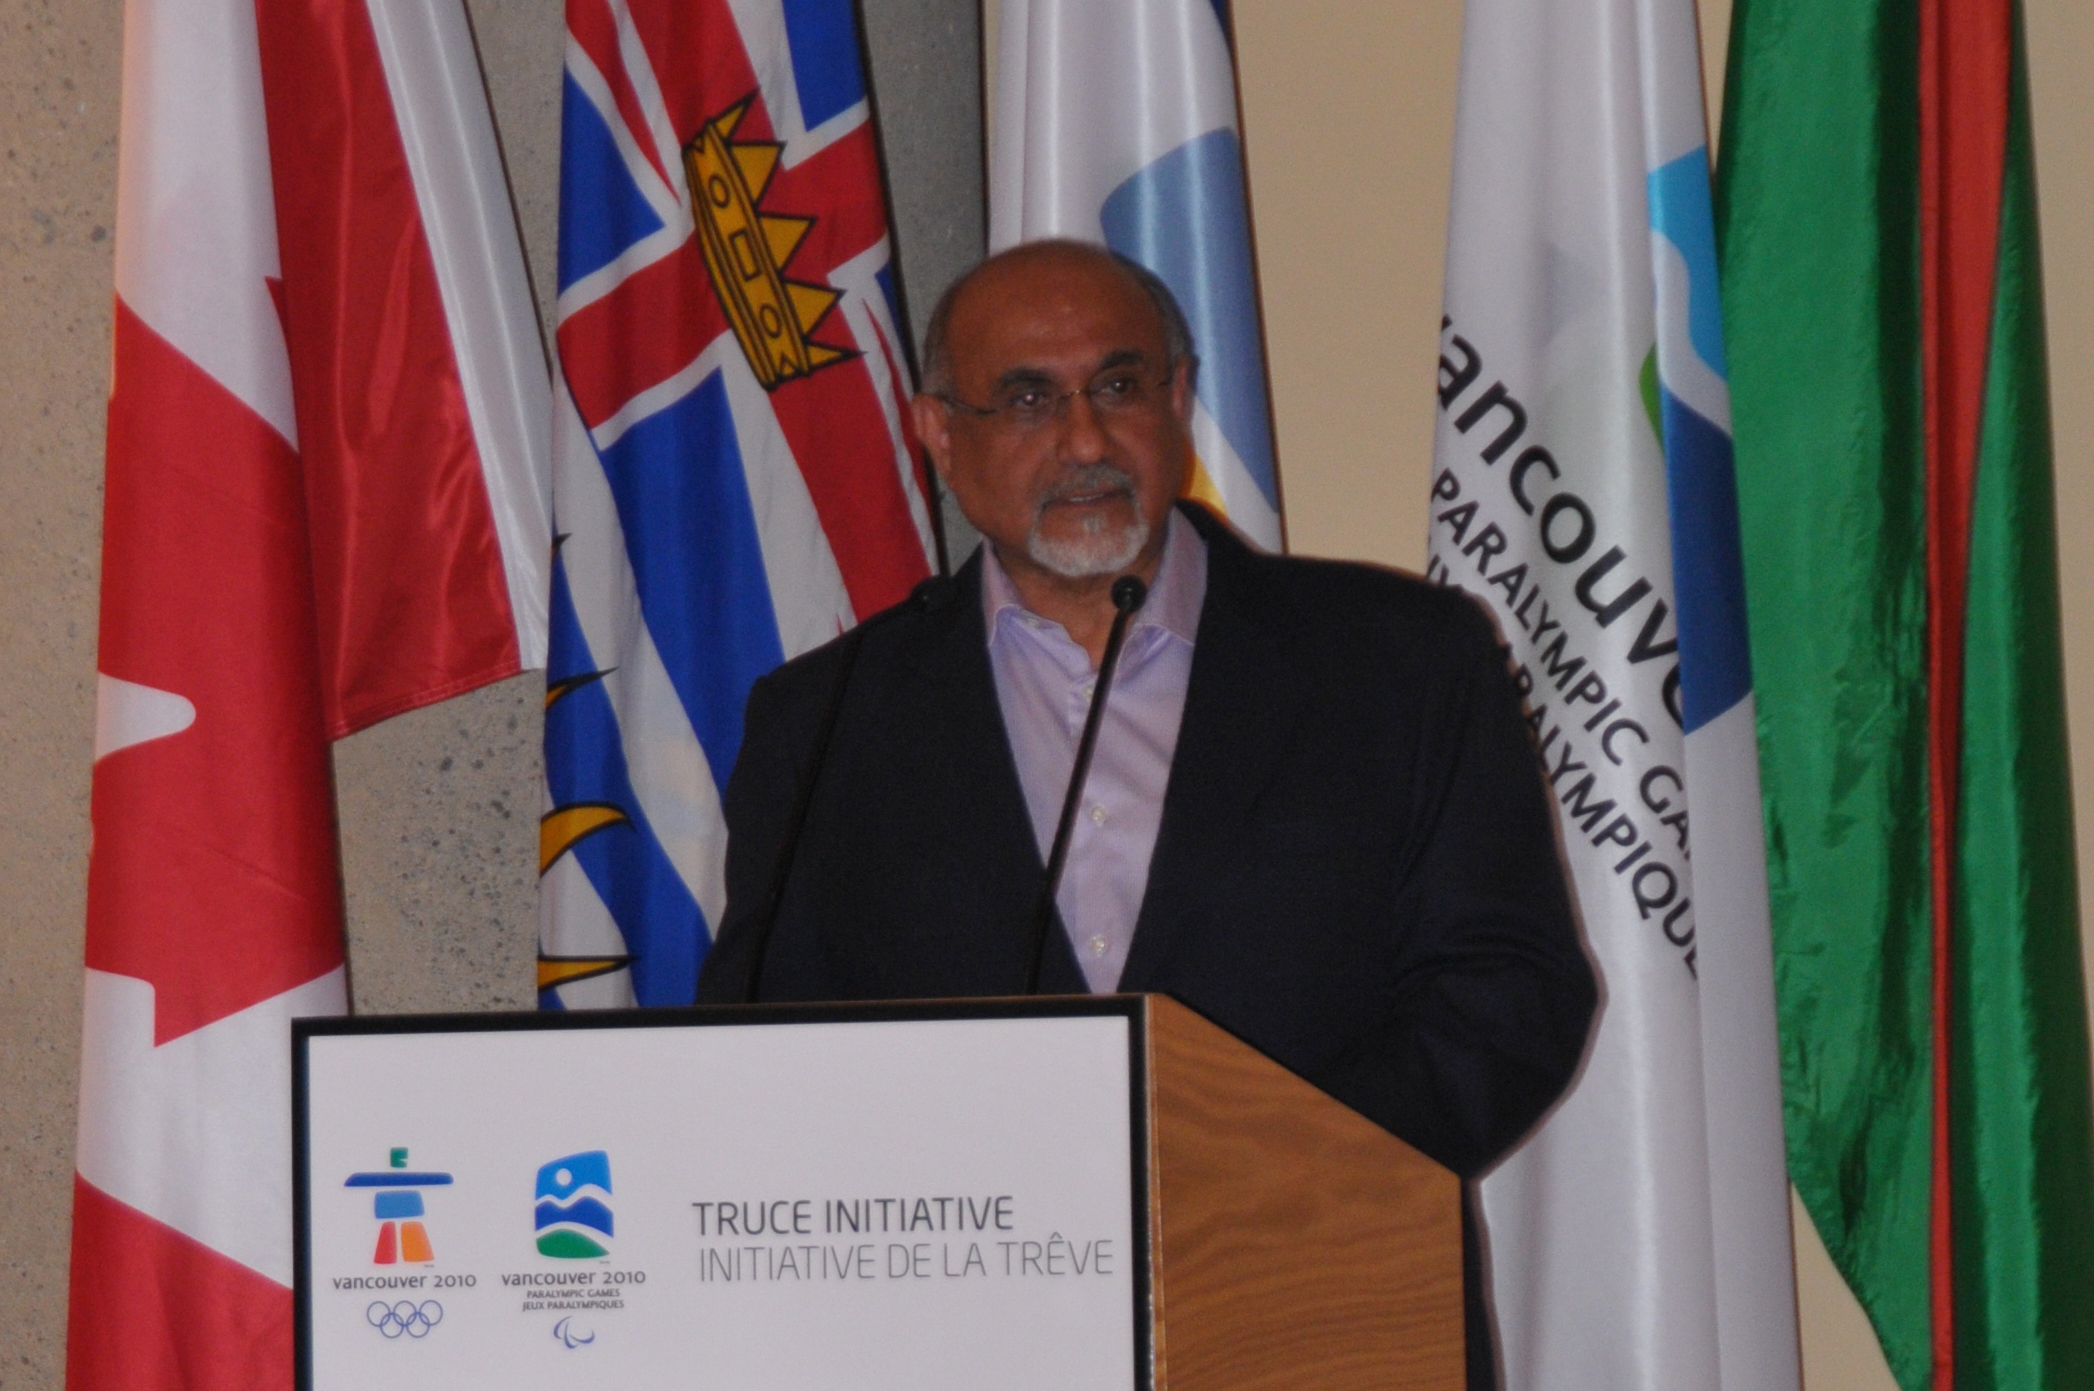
column 1128, row 593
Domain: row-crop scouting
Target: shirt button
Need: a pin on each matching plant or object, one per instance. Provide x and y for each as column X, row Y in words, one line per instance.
column 1088, row 687
column 1097, row 816
column 1098, row 944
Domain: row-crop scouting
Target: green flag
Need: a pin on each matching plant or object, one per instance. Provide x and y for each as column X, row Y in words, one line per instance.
column 1876, row 212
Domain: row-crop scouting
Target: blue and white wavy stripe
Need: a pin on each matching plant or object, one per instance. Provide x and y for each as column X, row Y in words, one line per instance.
column 1708, row 567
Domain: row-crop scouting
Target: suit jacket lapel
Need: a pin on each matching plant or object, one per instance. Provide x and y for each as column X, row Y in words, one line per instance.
column 1238, row 709
column 964, row 716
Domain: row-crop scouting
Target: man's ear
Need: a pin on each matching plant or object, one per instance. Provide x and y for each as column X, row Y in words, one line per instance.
column 934, row 428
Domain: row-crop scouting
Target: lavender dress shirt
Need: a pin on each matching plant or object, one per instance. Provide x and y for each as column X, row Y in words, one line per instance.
column 1043, row 684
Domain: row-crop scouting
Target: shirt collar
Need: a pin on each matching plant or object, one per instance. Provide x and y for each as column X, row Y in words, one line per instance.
column 1174, row 600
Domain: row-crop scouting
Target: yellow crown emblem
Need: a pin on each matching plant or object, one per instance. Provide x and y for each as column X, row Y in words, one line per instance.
column 746, row 250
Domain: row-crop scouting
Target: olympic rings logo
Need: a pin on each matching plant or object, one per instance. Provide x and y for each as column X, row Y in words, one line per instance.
column 405, row 1317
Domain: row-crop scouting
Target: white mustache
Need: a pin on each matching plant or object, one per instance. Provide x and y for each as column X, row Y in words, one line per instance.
column 1088, row 478
column 1094, row 551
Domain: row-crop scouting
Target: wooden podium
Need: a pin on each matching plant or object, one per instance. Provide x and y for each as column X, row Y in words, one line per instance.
column 1293, row 1242
column 1264, row 1235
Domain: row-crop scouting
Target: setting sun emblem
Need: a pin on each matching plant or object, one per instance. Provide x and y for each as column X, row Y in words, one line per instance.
column 746, row 250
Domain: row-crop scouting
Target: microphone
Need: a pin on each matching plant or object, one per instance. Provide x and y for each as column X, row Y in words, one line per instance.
column 933, row 594
column 1128, row 593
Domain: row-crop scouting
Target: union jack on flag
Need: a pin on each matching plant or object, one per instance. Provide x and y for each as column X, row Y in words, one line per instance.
column 735, row 477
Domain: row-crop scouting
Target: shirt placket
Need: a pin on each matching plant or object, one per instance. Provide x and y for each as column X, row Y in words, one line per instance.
column 1093, row 940
column 1102, row 817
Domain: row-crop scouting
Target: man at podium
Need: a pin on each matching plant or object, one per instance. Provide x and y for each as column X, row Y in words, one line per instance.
column 1312, row 812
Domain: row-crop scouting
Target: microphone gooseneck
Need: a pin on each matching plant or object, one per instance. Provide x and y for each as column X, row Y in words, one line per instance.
column 933, row 593
column 1128, row 594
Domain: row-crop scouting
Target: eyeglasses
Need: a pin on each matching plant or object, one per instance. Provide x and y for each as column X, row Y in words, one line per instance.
column 1118, row 393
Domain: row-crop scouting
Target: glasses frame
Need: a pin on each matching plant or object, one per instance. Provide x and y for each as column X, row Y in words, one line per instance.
column 1059, row 407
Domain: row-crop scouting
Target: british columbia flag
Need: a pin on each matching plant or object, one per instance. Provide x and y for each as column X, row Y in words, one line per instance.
column 735, row 478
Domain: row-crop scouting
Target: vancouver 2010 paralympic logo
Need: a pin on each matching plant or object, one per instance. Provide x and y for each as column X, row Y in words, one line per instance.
column 415, row 1320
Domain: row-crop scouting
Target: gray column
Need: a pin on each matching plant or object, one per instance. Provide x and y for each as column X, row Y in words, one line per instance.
column 926, row 62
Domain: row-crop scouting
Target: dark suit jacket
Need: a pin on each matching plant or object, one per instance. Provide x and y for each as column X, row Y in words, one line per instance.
column 1356, row 871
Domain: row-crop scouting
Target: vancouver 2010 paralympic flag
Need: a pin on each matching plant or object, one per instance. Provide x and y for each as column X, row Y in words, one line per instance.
column 1885, row 302
column 1116, row 123
column 325, row 504
column 735, row 477
column 1583, row 490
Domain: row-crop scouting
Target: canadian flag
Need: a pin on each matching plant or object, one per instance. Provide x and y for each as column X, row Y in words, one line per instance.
column 326, row 504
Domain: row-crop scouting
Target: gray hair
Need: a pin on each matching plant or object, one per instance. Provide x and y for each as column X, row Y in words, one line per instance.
column 1177, row 334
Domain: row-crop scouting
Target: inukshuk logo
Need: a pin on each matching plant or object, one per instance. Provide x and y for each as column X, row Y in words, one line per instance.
column 574, row 1216
column 399, row 1210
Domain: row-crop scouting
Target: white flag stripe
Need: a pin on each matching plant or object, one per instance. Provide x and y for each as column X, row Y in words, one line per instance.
column 1748, row 1174
column 196, row 1132
column 808, row 597
column 674, row 784
column 1754, row 1261
column 639, row 72
column 586, row 929
column 1685, row 374
column 589, row 288
column 865, row 310
column 433, row 74
column 587, row 926
column 668, row 204
column 1248, row 510
column 806, row 145
column 1675, row 119
column 195, row 210
column 762, row 25
column 659, row 397
column 670, row 201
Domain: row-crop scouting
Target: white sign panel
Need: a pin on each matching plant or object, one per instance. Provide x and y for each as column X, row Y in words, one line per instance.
column 857, row 1203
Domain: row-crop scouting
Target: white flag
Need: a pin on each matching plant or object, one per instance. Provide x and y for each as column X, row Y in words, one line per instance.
column 1583, row 489
column 1116, row 123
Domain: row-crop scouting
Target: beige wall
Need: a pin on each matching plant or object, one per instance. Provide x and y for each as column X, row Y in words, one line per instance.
column 1349, row 112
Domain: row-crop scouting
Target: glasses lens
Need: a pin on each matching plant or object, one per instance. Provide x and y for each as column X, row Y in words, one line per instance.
column 1029, row 405
column 1119, row 390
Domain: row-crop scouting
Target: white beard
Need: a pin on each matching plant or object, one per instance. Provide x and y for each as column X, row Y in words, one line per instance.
column 1093, row 551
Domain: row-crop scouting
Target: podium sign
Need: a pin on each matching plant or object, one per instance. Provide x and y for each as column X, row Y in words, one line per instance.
column 924, row 1196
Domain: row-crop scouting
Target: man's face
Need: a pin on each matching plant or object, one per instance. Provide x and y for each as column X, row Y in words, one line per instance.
column 1076, row 487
